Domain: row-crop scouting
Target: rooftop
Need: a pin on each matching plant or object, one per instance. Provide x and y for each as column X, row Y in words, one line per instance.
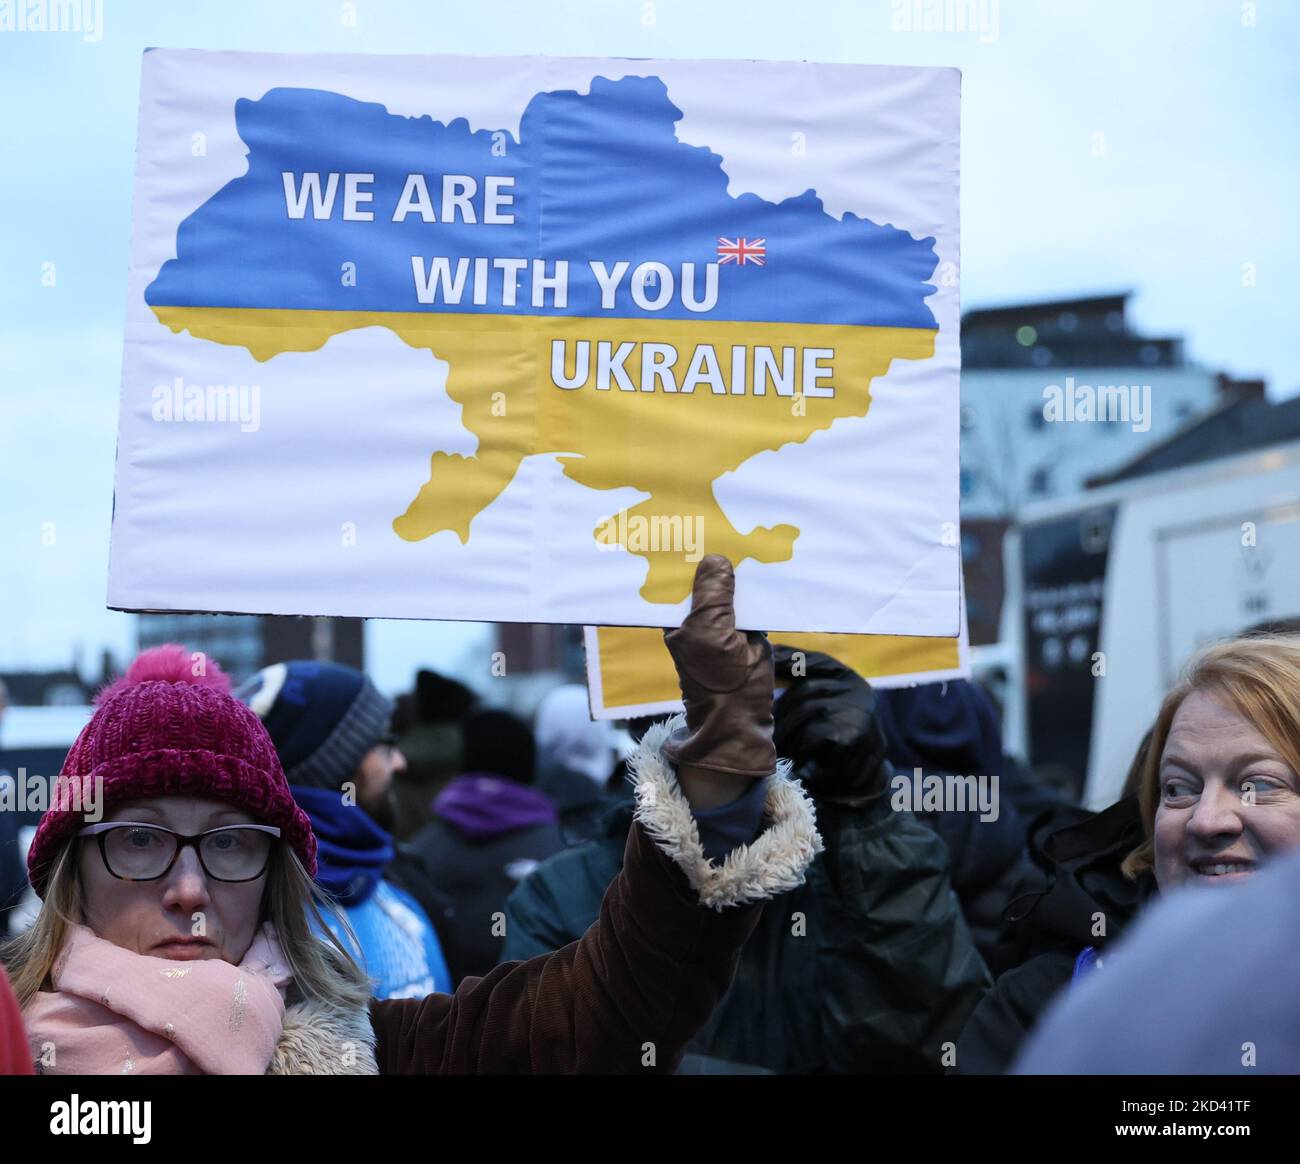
column 1243, row 423
column 1087, row 332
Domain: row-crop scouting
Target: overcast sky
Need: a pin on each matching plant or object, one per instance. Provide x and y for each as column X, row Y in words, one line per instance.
column 1194, row 175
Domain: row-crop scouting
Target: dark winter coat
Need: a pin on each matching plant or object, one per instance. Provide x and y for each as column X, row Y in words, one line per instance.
column 1079, row 899
column 989, row 868
column 952, row 728
column 487, row 835
column 580, row 803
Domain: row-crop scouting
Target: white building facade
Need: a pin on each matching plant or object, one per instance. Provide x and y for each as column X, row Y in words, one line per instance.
column 1056, row 393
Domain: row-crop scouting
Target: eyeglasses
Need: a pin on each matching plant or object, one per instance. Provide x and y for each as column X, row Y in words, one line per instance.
column 144, row 852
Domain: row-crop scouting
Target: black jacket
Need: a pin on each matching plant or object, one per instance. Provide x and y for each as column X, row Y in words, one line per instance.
column 990, row 866
column 867, row 967
column 938, row 729
column 581, row 803
column 474, row 876
column 1079, row 898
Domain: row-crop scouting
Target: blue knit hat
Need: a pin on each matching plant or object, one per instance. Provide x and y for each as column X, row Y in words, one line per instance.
column 322, row 717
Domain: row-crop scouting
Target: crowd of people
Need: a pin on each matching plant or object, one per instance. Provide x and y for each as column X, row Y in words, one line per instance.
column 300, row 876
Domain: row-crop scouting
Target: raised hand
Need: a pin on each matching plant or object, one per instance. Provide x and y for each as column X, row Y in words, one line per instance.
column 726, row 679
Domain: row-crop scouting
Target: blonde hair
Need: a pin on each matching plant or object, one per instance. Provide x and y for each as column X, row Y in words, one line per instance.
column 1258, row 677
column 322, row 968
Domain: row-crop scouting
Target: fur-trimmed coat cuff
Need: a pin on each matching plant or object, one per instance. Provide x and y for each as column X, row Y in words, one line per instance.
column 773, row 863
column 318, row 1039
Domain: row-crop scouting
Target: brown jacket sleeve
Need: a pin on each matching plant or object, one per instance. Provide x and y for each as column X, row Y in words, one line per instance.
column 626, row 997
column 629, row 994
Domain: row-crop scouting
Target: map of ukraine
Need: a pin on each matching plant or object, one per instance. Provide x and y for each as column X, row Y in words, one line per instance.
column 664, row 379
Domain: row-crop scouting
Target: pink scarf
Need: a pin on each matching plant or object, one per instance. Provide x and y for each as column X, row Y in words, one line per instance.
column 115, row 1012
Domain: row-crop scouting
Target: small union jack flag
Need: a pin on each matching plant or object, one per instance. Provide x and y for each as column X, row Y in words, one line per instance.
column 742, row 251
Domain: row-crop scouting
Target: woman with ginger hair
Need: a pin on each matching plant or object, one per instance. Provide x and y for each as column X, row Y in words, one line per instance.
column 1218, row 796
column 1220, row 786
column 174, row 936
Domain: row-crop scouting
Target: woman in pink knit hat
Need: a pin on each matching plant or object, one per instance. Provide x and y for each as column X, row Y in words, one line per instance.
column 176, row 934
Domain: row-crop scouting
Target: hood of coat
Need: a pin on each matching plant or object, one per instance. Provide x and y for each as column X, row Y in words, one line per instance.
column 319, row 1039
column 1078, row 855
column 481, row 806
column 949, row 727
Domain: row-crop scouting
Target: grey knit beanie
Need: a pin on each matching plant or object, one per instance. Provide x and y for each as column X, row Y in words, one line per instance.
column 322, row 717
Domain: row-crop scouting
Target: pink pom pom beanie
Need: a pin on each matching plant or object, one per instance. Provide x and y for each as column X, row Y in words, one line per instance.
column 162, row 730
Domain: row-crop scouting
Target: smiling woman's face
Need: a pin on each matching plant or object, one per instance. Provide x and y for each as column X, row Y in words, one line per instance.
column 1214, row 765
column 185, row 914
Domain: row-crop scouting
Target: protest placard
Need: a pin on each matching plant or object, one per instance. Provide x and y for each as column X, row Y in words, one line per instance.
column 630, row 672
column 522, row 339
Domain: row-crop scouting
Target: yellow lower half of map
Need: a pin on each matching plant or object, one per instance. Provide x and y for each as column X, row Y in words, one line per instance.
column 664, row 438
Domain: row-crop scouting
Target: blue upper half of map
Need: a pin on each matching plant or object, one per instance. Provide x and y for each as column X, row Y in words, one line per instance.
column 596, row 176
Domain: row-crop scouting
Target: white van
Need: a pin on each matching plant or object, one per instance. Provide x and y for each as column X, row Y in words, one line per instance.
column 1110, row 591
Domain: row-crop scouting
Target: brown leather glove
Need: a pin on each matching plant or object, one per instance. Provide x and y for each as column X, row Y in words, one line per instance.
column 727, row 683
